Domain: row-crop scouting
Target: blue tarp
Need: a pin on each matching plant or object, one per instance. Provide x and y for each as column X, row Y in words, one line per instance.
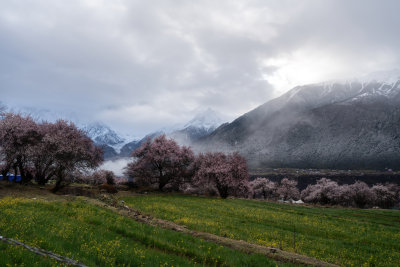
column 12, row 177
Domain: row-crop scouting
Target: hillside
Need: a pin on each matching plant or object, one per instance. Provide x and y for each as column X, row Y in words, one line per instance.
column 343, row 125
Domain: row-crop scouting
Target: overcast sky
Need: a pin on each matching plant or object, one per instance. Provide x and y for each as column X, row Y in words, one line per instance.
column 142, row 65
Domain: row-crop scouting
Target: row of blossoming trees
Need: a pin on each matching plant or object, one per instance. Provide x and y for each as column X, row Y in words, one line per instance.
column 59, row 151
column 163, row 163
column 44, row 151
column 328, row 192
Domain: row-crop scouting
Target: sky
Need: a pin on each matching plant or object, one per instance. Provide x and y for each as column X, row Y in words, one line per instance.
column 139, row 66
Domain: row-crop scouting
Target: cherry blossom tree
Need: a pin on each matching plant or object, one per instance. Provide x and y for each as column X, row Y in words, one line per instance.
column 287, row 189
column 325, row 191
column 160, row 161
column 385, row 195
column 42, row 154
column 46, row 150
column 361, row 193
column 227, row 173
column 263, row 187
column 18, row 134
column 345, row 196
column 73, row 150
column 62, row 151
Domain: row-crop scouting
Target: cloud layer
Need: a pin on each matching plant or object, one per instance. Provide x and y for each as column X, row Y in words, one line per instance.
column 142, row 65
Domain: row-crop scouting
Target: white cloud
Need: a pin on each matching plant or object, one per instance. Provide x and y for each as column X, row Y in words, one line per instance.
column 139, row 65
column 117, row 166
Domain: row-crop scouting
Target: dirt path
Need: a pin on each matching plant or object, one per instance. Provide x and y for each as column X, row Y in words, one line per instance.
column 270, row 252
column 42, row 252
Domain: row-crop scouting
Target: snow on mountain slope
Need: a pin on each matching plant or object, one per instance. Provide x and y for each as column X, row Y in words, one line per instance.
column 202, row 124
column 208, row 119
column 336, row 124
column 103, row 135
column 384, row 84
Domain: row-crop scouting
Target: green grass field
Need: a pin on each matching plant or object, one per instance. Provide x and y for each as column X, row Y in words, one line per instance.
column 349, row 237
column 96, row 236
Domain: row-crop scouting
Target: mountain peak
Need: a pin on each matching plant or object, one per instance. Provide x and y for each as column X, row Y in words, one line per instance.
column 102, row 134
column 208, row 119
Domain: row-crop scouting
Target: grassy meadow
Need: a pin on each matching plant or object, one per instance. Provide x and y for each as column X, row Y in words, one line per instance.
column 96, row 236
column 348, row 237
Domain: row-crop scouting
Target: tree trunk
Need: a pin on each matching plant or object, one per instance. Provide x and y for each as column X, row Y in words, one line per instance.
column 40, row 178
column 60, row 179
column 222, row 190
column 162, row 181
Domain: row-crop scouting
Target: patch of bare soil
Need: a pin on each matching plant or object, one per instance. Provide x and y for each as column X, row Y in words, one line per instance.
column 8, row 189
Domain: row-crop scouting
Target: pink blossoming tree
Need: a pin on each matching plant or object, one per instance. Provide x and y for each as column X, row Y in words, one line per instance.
column 18, row 134
column 227, row 173
column 45, row 151
column 160, row 161
column 325, row 191
column 263, row 187
column 287, row 189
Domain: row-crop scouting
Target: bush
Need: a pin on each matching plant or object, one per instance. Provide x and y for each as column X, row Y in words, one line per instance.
column 108, row 188
column 98, row 177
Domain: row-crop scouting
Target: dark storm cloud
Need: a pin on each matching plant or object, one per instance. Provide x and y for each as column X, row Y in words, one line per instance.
column 140, row 65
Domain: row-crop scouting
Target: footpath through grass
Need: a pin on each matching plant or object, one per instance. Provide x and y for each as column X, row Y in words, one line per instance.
column 349, row 237
column 98, row 237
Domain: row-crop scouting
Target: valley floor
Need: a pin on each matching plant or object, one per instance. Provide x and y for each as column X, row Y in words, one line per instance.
column 99, row 235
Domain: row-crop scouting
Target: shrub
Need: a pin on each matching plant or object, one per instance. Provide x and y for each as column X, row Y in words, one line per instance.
column 109, row 188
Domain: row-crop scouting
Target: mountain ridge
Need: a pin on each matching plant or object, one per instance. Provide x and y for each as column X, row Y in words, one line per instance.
column 296, row 129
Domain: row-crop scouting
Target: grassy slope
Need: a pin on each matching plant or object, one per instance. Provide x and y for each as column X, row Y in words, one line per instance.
column 99, row 237
column 350, row 237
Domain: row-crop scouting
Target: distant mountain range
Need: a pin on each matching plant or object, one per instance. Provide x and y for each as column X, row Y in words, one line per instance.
column 339, row 124
column 352, row 124
column 115, row 146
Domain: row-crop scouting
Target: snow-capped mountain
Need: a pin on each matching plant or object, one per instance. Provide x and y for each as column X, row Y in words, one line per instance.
column 338, row 124
column 208, row 119
column 385, row 84
column 201, row 125
column 108, row 139
column 101, row 134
